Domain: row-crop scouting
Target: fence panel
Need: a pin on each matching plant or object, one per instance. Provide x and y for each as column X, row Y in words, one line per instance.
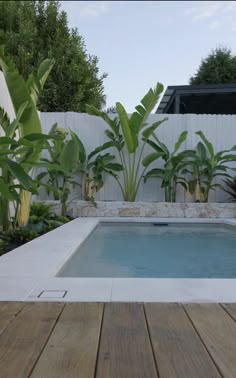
column 219, row 129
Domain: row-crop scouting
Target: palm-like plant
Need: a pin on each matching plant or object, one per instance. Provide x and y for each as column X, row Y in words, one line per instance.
column 93, row 167
column 67, row 160
column 124, row 135
column 206, row 166
column 22, row 92
column 61, row 166
column 174, row 163
column 11, row 152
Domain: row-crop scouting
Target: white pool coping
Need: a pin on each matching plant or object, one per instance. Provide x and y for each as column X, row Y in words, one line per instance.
column 28, row 273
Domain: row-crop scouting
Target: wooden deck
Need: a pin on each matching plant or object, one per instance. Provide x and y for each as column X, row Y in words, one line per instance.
column 116, row 340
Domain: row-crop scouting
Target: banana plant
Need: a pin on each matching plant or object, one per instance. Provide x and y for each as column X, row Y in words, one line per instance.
column 206, row 166
column 174, row 162
column 94, row 173
column 126, row 135
column 61, row 167
column 93, row 168
column 67, row 160
column 10, row 151
column 22, row 92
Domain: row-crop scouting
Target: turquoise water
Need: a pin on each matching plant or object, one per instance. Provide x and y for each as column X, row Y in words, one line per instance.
column 145, row 250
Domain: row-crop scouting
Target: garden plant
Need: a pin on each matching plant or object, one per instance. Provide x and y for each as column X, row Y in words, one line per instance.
column 127, row 134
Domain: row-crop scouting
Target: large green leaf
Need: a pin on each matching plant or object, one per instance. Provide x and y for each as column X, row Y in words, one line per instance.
column 149, row 130
column 111, row 122
column 162, row 146
column 11, row 195
column 130, row 138
column 151, row 158
column 180, row 141
column 44, row 70
column 35, row 83
column 201, row 152
column 69, row 156
column 20, row 94
column 228, row 158
column 18, row 172
column 114, row 167
column 10, row 131
column 82, row 152
column 148, row 102
column 8, row 141
column 49, row 166
column 207, row 143
column 101, row 148
column 187, row 154
column 155, row 173
column 154, row 145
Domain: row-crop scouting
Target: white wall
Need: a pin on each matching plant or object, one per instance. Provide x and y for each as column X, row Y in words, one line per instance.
column 220, row 129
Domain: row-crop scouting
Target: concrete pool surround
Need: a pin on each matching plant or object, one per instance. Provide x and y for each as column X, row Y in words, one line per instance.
column 29, row 273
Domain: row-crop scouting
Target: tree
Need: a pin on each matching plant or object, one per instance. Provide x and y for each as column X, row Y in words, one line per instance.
column 35, row 30
column 217, row 68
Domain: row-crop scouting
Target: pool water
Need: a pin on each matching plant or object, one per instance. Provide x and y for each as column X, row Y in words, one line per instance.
column 156, row 251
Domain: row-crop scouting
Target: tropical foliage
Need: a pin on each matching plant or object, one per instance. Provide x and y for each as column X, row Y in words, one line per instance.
column 13, row 154
column 171, row 173
column 24, row 97
column 41, row 221
column 68, row 166
column 61, row 166
column 206, row 166
column 124, row 134
column 93, row 168
column 196, row 170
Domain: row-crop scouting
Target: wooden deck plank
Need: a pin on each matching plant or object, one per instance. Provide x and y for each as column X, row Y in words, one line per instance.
column 230, row 308
column 125, row 350
column 218, row 332
column 8, row 312
column 71, row 350
column 24, row 339
column 178, row 349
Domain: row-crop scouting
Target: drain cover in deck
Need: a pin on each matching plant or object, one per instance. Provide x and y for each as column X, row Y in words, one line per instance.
column 52, row 294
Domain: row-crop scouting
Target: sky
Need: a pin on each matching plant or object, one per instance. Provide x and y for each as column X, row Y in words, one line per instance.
column 140, row 43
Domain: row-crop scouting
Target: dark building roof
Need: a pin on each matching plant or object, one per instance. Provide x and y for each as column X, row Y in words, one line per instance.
column 199, row 99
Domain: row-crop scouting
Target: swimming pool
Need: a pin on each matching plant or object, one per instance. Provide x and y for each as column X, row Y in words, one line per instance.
column 163, row 250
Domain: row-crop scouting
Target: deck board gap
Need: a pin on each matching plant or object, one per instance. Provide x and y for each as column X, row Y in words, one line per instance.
column 13, row 318
column 149, row 334
column 99, row 340
column 228, row 312
column 46, row 341
column 202, row 341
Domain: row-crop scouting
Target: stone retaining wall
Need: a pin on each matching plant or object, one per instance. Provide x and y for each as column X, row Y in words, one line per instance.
column 149, row 209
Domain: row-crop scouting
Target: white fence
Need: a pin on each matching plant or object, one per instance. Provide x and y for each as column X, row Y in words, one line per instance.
column 219, row 129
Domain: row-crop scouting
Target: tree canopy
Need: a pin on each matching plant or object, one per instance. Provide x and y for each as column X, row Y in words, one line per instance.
column 34, row 30
column 218, row 67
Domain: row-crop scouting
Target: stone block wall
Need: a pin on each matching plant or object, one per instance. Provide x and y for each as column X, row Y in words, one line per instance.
column 149, row 209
